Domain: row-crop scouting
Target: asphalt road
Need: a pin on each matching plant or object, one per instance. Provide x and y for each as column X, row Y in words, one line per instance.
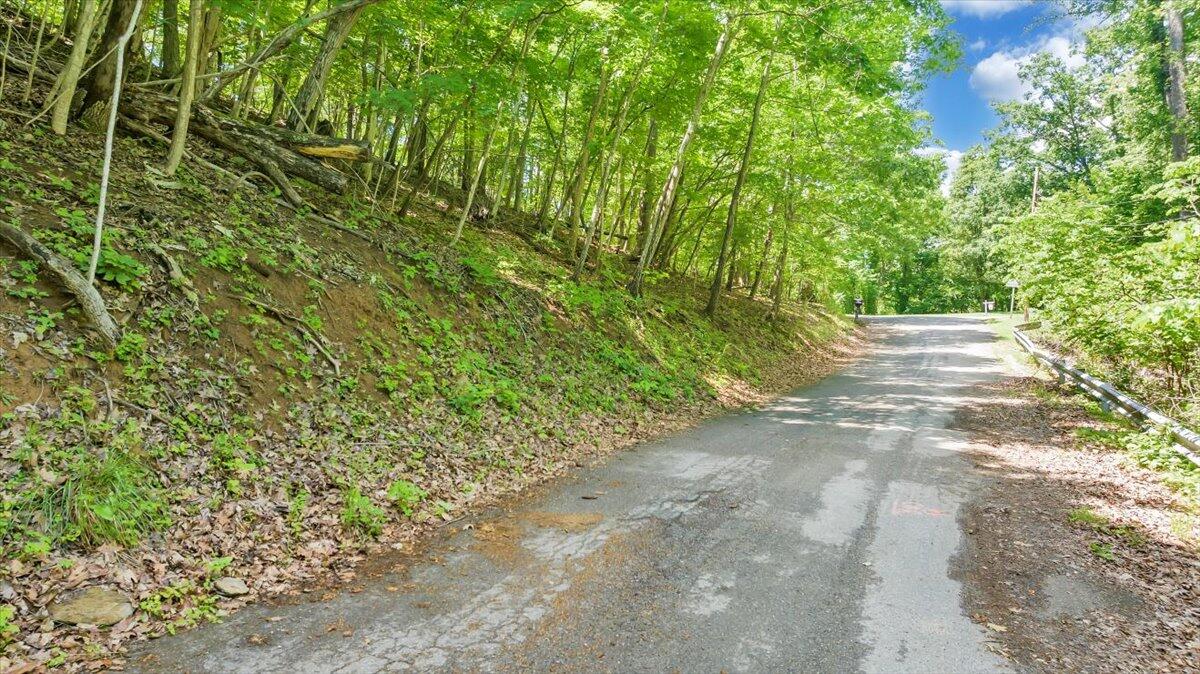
column 817, row 534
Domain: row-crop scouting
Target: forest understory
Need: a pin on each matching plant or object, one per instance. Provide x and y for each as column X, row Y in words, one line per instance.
column 290, row 393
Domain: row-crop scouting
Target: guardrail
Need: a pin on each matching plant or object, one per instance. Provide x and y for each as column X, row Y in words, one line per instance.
column 1187, row 441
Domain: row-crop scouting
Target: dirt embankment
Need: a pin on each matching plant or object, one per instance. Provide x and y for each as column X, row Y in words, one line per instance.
column 305, row 394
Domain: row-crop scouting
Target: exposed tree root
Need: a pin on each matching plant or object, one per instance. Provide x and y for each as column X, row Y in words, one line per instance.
column 87, row 295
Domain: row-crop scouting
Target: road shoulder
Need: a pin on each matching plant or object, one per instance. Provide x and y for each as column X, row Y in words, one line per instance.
column 1077, row 559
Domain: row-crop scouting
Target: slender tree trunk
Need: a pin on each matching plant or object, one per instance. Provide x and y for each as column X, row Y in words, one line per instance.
column 617, row 129
column 281, row 42
column 487, row 141
column 418, row 140
column 209, row 61
column 789, row 216
column 246, row 91
column 646, row 210
column 170, row 39
column 714, row 291
column 71, row 9
column 115, row 94
column 762, row 262
column 187, row 88
column 278, row 99
column 68, row 78
column 468, row 155
column 37, row 52
column 1176, row 75
column 673, row 176
column 733, row 260
column 308, row 99
column 574, row 194
column 561, row 142
column 100, row 82
column 516, row 183
column 369, row 134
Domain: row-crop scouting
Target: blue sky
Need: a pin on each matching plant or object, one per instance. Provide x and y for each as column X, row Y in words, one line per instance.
column 996, row 35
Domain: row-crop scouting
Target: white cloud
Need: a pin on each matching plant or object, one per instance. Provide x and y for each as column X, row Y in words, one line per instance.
column 983, row 9
column 998, row 78
column 951, row 159
column 978, row 45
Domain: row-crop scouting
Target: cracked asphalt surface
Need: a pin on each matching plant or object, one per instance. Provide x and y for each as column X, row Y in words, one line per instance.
column 819, row 533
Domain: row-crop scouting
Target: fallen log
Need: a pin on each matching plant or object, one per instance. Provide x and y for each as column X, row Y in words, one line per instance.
column 89, row 298
column 308, row 144
column 251, row 141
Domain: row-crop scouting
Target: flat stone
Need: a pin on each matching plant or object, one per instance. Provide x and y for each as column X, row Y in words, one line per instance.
column 231, row 587
column 91, row 606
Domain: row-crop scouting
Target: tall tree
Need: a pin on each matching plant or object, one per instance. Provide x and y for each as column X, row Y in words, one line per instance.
column 714, row 292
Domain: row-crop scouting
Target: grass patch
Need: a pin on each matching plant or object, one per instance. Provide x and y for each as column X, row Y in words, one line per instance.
column 1103, row 551
column 111, row 499
column 1088, row 517
column 1101, row 524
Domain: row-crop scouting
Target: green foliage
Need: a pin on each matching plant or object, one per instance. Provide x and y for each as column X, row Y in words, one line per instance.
column 296, row 506
column 123, row 270
column 114, row 498
column 1103, row 551
column 406, row 496
column 233, row 457
column 8, row 630
column 360, row 515
column 1087, row 517
column 1110, row 256
column 131, row 347
column 223, row 257
column 1155, row 450
column 181, row 605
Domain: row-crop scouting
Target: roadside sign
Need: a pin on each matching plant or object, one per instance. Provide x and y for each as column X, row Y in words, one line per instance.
column 1013, row 283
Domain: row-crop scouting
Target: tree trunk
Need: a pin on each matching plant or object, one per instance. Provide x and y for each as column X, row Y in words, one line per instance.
column 468, row 156
column 667, row 197
column 574, row 194
column 714, row 291
column 544, row 210
column 516, row 183
column 278, row 98
column 308, row 99
column 68, row 77
column 277, row 151
column 617, row 130
column 187, row 87
column 418, row 140
column 246, row 91
column 170, row 39
column 1176, row 99
column 281, row 42
column 762, row 262
column 476, row 184
column 645, row 212
column 99, row 83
